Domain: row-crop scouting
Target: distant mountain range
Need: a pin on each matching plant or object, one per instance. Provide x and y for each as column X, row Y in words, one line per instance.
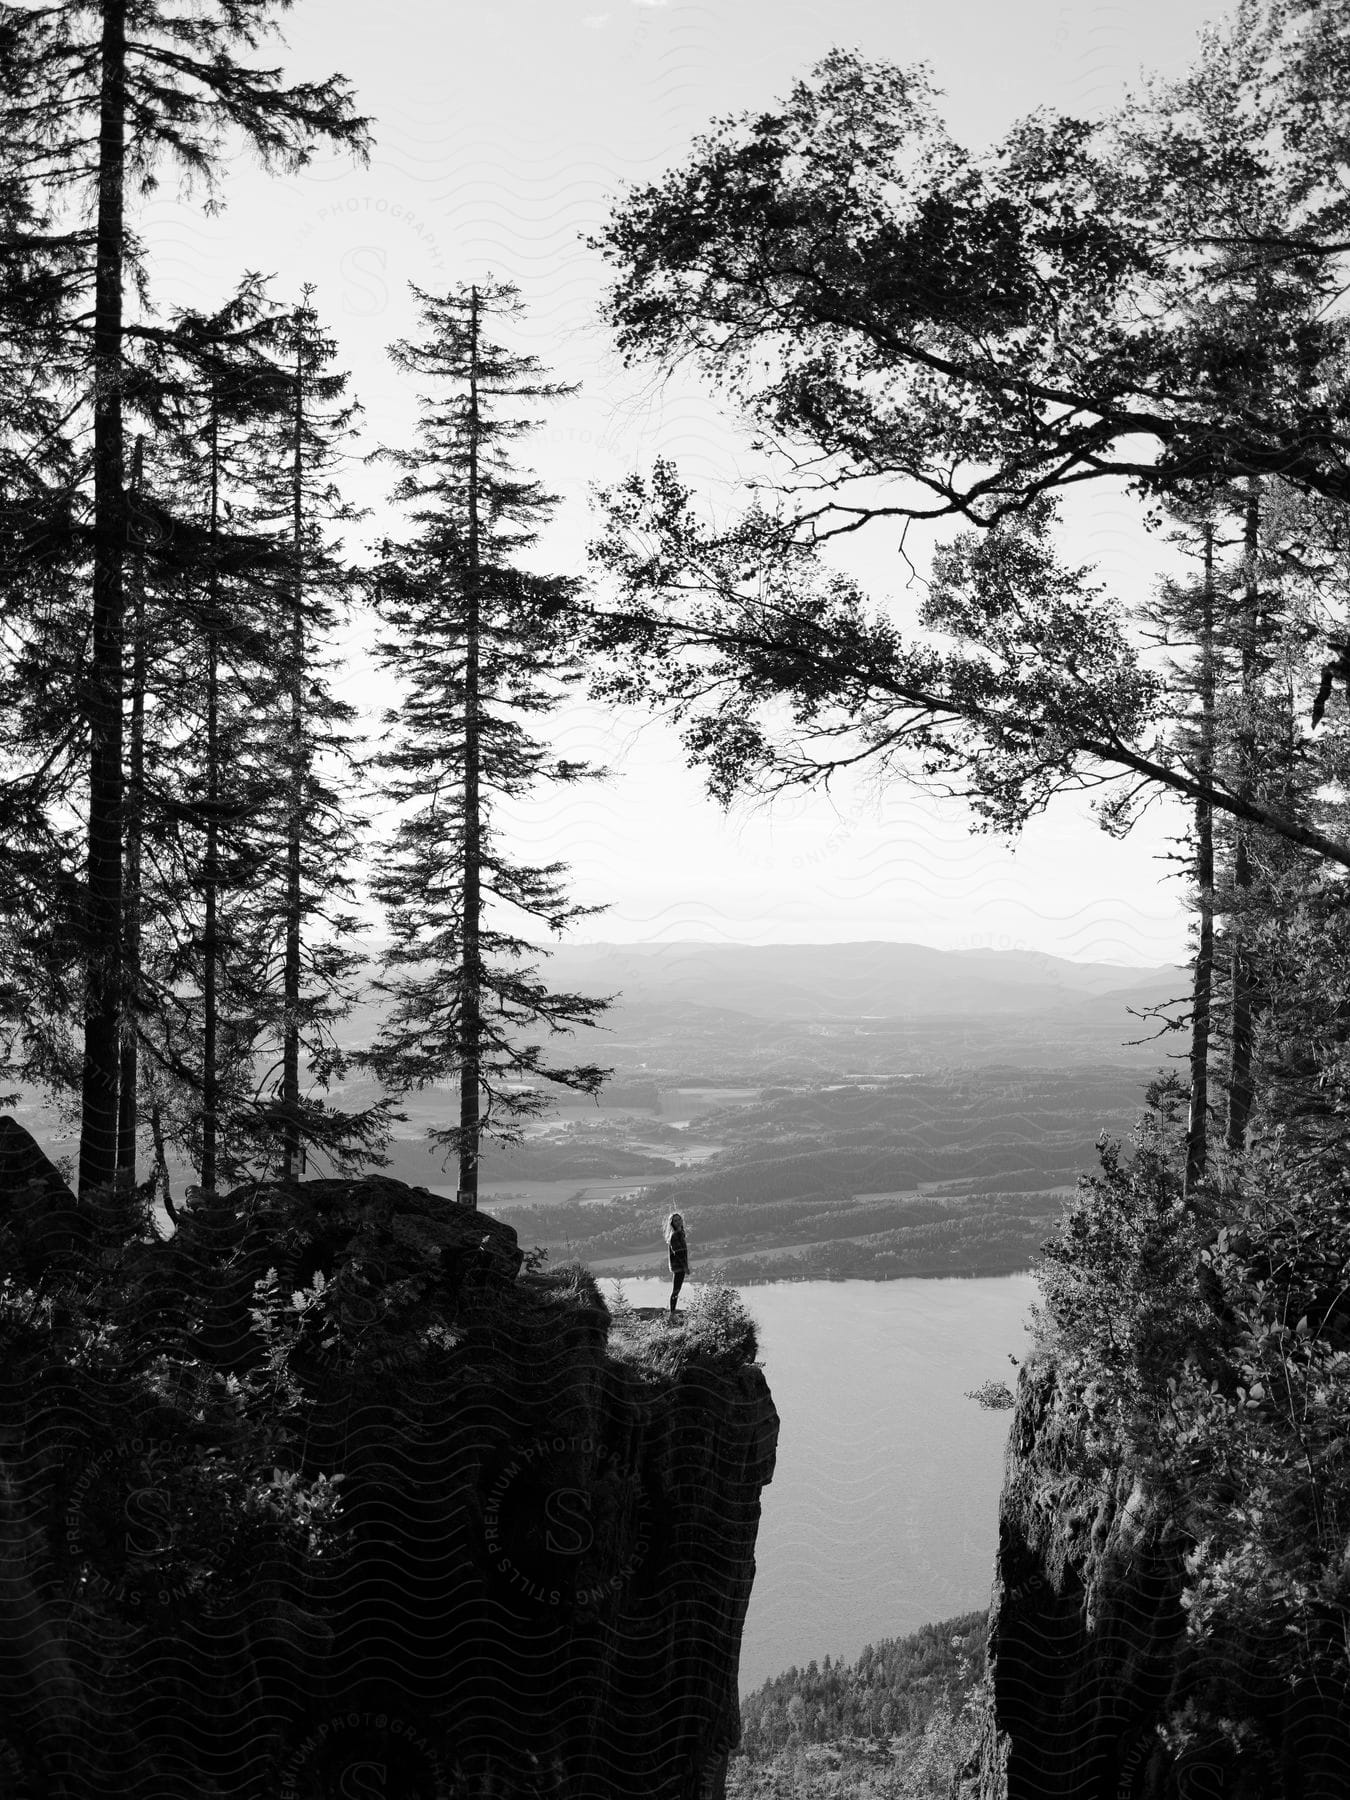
column 853, row 981
column 708, row 1012
column 694, row 1018
column 874, row 1109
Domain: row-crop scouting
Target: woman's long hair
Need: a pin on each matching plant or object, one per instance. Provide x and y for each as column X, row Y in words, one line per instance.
column 670, row 1224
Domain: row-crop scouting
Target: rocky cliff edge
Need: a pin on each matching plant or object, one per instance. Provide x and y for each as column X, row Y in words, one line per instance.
column 536, row 1577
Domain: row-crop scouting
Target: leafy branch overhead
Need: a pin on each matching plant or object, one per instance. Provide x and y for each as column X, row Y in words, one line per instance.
column 785, row 673
column 974, row 331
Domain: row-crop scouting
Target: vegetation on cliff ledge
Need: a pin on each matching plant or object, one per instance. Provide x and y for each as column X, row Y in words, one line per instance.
column 303, row 1467
column 1199, row 1349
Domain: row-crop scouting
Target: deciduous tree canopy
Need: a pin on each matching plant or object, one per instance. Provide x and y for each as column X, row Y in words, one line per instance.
column 1148, row 298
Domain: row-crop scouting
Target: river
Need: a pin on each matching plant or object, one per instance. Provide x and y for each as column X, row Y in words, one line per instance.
column 883, row 1511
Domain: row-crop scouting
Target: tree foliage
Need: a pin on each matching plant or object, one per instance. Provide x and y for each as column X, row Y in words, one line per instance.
column 1200, row 1343
column 98, row 100
column 915, row 332
column 901, row 1722
column 918, row 332
column 481, row 647
column 973, row 331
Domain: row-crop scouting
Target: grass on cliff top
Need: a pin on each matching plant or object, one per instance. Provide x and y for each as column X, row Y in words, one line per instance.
column 566, row 1284
column 713, row 1329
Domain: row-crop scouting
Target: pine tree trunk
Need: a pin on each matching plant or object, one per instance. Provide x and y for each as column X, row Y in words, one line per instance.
column 211, row 871
column 290, row 1046
column 1197, row 1128
column 103, row 915
column 131, row 907
column 1240, row 1088
column 469, row 978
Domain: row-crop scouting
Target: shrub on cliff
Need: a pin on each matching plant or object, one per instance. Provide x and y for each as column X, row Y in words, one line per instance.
column 173, row 1514
column 713, row 1330
column 1122, row 1307
column 716, row 1324
column 1204, row 1347
column 1270, row 1517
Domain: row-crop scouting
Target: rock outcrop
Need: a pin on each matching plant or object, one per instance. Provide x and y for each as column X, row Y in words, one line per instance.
column 548, row 1522
column 1091, row 1668
column 41, row 1224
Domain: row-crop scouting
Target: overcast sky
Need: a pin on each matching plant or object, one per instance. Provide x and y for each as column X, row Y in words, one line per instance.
column 500, row 132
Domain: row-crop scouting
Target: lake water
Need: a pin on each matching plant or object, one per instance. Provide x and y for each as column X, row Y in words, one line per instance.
column 883, row 1511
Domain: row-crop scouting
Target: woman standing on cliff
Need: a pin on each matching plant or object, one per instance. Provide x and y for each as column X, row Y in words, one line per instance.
column 679, row 1255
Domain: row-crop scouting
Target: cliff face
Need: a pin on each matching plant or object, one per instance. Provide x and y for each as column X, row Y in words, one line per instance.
column 545, row 1546
column 1090, row 1663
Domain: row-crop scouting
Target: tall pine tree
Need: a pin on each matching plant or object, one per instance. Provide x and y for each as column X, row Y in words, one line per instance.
column 209, row 657
column 1184, row 615
column 477, row 642
column 102, row 95
column 306, row 931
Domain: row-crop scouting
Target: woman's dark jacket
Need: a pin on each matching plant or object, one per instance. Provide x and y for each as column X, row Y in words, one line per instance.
column 679, row 1252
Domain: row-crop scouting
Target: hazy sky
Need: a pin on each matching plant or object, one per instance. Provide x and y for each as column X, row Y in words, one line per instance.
column 500, row 132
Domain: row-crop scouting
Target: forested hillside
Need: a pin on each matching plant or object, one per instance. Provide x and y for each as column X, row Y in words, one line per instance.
column 952, row 1175
column 894, row 1723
